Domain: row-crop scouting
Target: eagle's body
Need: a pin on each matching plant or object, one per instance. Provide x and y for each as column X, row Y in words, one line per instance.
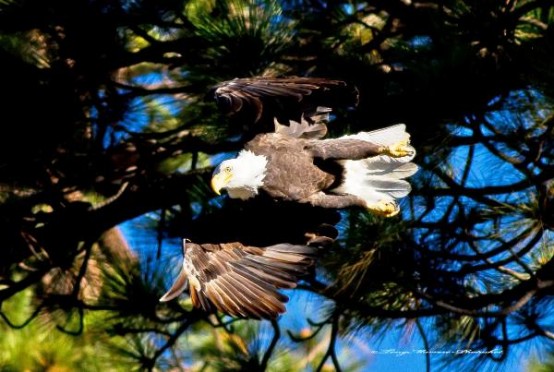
column 364, row 170
column 287, row 156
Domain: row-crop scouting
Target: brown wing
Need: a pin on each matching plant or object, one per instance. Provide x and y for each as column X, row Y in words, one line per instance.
column 236, row 95
column 244, row 281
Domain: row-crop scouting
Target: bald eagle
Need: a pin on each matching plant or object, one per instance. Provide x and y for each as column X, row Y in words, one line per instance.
column 367, row 169
column 238, row 280
column 292, row 163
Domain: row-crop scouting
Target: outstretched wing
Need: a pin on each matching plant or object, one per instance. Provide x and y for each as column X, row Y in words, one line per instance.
column 242, row 281
column 285, row 98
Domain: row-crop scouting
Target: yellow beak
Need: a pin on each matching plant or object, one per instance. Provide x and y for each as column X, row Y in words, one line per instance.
column 219, row 181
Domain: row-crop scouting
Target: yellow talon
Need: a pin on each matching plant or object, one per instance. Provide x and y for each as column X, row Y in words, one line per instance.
column 385, row 208
column 400, row 149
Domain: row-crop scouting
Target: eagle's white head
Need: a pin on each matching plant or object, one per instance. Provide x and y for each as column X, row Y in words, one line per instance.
column 242, row 176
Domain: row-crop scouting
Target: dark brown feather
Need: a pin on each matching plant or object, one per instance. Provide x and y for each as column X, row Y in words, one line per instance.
column 264, row 98
column 243, row 281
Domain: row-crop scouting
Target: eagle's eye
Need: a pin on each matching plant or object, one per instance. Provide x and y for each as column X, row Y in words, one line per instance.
column 227, row 169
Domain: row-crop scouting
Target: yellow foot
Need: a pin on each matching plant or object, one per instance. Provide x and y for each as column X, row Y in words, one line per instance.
column 400, row 149
column 384, row 208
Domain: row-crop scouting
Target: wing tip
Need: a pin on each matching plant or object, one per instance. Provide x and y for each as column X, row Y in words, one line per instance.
column 176, row 289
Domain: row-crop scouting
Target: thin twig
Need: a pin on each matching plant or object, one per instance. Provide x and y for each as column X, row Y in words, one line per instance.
column 425, row 345
column 79, row 329
column 331, row 350
column 171, row 340
column 274, row 340
column 25, row 322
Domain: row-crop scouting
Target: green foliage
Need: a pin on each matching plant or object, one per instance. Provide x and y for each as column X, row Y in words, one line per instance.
column 245, row 36
column 39, row 346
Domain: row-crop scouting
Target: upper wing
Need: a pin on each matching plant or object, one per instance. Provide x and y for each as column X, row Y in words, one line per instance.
column 285, row 98
column 243, row 281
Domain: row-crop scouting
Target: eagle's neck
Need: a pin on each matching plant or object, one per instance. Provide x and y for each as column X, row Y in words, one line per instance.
column 249, row 173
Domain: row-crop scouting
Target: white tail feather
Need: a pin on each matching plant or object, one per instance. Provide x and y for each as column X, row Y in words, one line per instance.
column 377, row 179
column 396, row 168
